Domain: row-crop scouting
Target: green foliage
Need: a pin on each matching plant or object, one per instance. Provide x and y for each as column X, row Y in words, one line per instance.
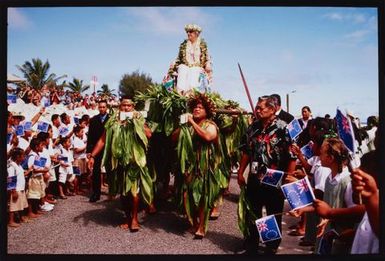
column 105, row 91
column 77, row 86
column 130, row 84
column 36, row 73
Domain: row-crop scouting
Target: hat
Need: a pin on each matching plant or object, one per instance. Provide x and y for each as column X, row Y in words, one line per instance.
column 192, row 27
column 18, row 114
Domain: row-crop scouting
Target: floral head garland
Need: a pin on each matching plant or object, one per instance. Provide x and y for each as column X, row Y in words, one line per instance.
column 192, row 27
column 206, row 101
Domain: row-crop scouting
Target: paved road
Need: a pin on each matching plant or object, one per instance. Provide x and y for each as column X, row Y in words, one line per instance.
column 76, row 226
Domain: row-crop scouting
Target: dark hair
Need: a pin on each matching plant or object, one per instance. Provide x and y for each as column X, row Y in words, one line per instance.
column 15, row 152
column 63, row 140
column 276, row 98
column 372, row 121
column 207, row 103
column 125, row 97
column 85, row 117
column 77, row 128
column 105, row 101
column 34, row 143
column 54, row 117
column 63, row 116
column 270, row 101
column 43, row 135
column 338, row 150
column 306, row 107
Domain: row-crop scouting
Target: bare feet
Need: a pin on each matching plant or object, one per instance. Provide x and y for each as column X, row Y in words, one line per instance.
column 214, row 213
column 25, row 219
column 33, row 215
column 151, row 209
column 134, row 225
column 125, row 225
column 199, row 234
column 13, row 224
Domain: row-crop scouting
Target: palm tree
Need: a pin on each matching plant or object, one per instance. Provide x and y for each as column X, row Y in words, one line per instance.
column 105, row 91
column 36, row 73
column 77, row 86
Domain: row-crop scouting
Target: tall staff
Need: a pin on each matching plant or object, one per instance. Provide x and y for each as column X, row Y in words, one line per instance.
column 247, row 91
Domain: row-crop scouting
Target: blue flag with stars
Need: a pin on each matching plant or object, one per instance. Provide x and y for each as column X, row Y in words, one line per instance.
column 272, row 177
column 294, row 129
column 11, row 182
column 345, row 130
column 307, row 150
column 299, row 194
column 268, row 229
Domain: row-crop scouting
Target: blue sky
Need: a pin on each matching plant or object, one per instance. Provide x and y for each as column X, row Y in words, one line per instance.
column 328, row 55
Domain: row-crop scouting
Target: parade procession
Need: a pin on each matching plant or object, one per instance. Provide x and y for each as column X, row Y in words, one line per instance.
column 179, row 147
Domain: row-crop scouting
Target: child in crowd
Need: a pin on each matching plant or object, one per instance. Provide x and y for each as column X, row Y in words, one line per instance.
column 49, row 154
column 79, row 154
column 36, row 185
column 317, row 174
column 18, row 200
column 335, row 232
column 66, row 176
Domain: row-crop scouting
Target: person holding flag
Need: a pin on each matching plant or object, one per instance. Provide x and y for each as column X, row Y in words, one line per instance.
column 266, row 144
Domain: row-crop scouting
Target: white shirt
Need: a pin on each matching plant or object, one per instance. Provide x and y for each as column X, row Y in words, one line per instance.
column 348, row 196
column 365, row 240
column 18, row 171
column 319, row 172
column 79, row 144
column 68, row 154
column 55, row 132
column 23, row 143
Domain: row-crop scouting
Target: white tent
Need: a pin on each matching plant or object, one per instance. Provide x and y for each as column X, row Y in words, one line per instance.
column 13, row 78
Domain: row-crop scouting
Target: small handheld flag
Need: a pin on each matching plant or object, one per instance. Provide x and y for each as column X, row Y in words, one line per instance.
column 19, row 130
column 9, row 137
column 272, row 177
column 42, row 126
column 268, row 229
column 11, row 98
column 62, row 158
column 307, row 150
column 294, row 129
column 345, row 130
column 40, row 162
column 11, row 182
column 27, row 125
column 299, row 194
column 76, row 120
column 63, row 131
column 76, row 170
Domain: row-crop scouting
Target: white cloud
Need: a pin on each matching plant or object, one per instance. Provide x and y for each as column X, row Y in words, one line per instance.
column 358, row 35
column 18, row 20
column 348, row 17
column 169, row 20
column 334, row 16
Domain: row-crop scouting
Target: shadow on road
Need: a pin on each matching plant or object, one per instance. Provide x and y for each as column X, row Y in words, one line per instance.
column 110, row 215
column 228, row 243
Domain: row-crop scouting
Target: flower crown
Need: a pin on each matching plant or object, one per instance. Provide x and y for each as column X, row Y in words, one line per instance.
column 192, row 27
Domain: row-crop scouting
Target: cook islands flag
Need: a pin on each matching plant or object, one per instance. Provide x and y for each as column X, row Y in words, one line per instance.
column 345, row 130
column 299, row 194
column 268, row 229
column 294, row 129
column 272, row 177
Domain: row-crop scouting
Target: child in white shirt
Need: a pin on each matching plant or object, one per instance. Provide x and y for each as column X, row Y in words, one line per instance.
column 66, row 159
column 18, row 200
column 79, row 152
